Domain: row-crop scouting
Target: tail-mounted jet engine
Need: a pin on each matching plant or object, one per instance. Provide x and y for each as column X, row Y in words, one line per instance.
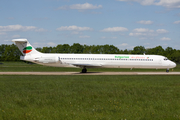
column 46, row 60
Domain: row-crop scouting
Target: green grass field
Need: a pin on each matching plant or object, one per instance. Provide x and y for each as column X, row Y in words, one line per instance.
column 24, row 67
column 25, row 97
column 89, row 97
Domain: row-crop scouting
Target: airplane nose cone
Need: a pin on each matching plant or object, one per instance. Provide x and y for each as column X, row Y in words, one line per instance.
column 173, row 64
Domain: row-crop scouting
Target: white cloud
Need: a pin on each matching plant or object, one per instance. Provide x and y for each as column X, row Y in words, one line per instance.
column 114, row 37
column 177, row 22
column 73, row 28
column 123, row 44
column 137, row 34
column 36, row 44
column 85, row 6
column 165, row 39
column 16, row 28
column 103, row 37
column 143, row 34
column 16, row 36
column 2, row 33
column 143, row 38
column 142, row 30
column 164, row 3
column 115, row 29
column 12, row 28
column 41, row 30
column 161, row 31
column 76, row 32
column 96, row 12
column 146, row 43
column 169, row 3
column 63, row 8
column 84, row 36
column 142, row 2
column 40, row 44
column 145, row 22
column 51, row 44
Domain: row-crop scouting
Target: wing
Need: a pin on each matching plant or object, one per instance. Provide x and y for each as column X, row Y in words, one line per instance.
column 87, row 65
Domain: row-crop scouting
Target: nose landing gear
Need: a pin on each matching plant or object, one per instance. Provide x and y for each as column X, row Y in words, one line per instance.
column 84, row 70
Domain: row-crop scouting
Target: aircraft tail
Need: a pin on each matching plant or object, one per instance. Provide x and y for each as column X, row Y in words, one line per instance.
column 25, row 47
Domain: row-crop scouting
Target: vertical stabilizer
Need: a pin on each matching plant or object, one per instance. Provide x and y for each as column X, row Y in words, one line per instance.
column 25, row 47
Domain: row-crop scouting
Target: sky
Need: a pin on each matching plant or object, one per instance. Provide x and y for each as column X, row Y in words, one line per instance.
column 122, row 23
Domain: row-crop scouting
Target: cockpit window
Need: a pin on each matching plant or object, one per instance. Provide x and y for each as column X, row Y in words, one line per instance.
column 165, row 58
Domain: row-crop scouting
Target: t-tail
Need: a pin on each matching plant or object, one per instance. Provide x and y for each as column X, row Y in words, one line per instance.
column 25, row 47
column 32, row 55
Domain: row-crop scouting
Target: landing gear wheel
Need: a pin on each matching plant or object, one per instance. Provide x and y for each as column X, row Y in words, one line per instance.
column 84, row 70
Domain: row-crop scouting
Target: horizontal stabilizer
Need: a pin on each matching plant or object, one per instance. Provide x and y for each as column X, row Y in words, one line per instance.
column 19, row 40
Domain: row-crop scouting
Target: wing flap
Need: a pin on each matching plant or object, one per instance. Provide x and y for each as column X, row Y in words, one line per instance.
column 87, row 65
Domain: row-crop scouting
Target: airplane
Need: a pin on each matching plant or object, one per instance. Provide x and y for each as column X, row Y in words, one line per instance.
column 85, row 61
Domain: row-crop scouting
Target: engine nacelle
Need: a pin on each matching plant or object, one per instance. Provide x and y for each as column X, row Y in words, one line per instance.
column 47, row 60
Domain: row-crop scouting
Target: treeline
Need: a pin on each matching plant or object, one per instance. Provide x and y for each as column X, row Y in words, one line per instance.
column 12, row 53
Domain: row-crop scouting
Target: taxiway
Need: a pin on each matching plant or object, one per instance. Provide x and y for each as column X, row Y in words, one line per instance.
column 89, row 73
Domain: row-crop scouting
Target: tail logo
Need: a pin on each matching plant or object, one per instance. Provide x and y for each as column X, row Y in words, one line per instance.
column 27, row 49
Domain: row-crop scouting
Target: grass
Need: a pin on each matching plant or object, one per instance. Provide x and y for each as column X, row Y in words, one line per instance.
column 89, row 97
column 24, row 67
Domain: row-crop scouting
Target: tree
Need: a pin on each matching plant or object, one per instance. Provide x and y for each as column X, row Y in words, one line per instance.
column 176, row 56
column 11, row 53
column 109, row 49
column 2, row 49
column 53, row 50
column 46, row 50
column 65, row 48
column 77, row 48
column 87, row 49
column 139, row 50
column 96, row 49
column 168, row 52
column 39, row 49
column 155, row 51
column 127, row 51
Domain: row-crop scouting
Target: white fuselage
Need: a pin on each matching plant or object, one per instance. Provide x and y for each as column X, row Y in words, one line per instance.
column 101, row 60
column 92, row 60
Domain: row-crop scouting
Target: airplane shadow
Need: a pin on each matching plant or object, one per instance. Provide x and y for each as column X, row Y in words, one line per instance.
column 87, row 73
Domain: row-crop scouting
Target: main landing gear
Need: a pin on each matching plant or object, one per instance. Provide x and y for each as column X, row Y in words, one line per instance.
column 84, row 70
